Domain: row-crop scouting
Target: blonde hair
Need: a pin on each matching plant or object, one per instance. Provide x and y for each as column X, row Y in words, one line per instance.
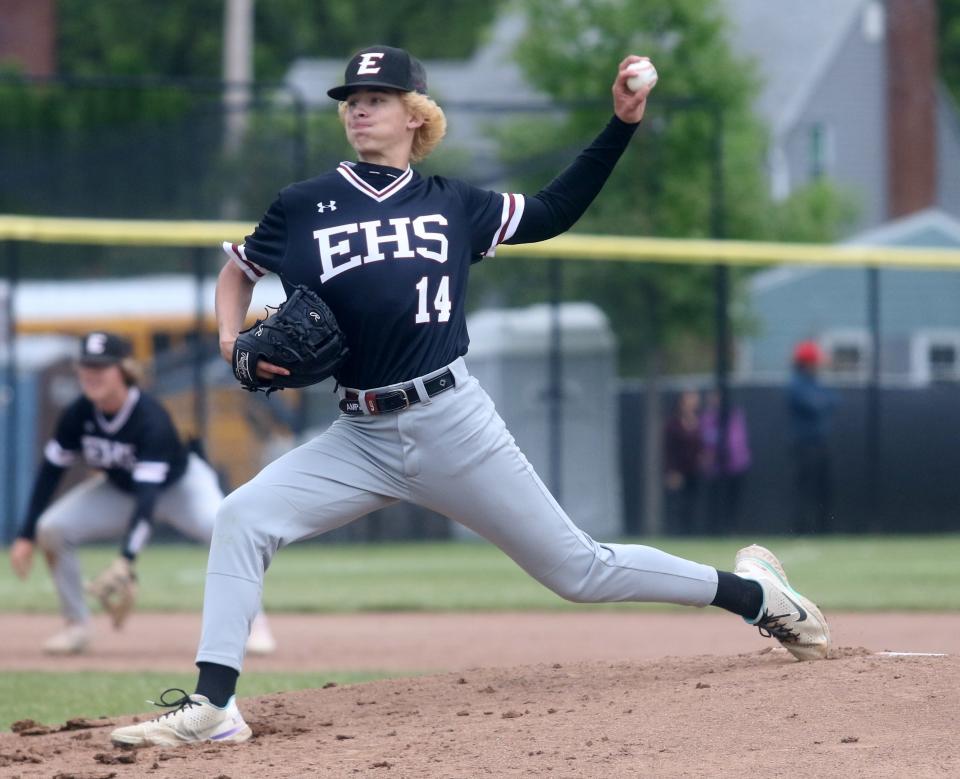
column 132, row 371
column 428, row 135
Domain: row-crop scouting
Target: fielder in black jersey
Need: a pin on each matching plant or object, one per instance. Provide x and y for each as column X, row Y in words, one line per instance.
column 145, row 474
column 390, row 252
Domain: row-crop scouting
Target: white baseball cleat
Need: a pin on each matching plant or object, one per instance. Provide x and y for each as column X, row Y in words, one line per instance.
column 193, row 720
column 792, row 619
column 72, row 640
column 261, row 640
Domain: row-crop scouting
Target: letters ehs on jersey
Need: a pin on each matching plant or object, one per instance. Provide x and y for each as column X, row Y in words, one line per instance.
column 390, row 253
column 137, row 444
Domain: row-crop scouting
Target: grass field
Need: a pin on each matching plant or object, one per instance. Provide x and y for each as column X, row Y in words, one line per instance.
column 840, row 573
column 851, row 573
column 53, row 698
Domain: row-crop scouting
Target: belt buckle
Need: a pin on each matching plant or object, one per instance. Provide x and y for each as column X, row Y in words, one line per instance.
column 397, row 393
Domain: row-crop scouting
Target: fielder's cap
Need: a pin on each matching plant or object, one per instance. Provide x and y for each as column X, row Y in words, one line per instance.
column 100, row 348
column 807, row 353
column 382, row 66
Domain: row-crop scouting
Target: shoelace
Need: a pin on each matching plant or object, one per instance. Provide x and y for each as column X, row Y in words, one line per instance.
column 771, row 626
column 183, row 702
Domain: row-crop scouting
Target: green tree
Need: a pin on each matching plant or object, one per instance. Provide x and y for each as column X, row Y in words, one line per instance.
column 74, row 139
column 664, row 184
column 139, row 38
column 949, row 43
column 184, row 38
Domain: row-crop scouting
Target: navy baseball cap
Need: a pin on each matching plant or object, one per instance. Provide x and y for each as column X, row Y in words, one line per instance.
column 100, row 348
column 382, row 66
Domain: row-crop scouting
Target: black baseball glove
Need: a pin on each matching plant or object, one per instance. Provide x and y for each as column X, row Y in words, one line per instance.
column 302, row 336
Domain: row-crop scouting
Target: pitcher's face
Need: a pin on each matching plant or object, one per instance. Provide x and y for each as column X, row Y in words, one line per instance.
column 377, row 122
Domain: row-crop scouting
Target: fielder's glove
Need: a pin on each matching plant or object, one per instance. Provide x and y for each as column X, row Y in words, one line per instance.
column 302, row 336
column 116, row 589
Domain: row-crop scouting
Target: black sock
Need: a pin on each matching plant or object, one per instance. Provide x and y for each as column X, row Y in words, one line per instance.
column 217, row 682
column 741, row 596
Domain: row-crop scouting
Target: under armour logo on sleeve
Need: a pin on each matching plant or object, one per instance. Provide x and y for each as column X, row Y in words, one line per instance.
column 332, row 206
column 369, row 63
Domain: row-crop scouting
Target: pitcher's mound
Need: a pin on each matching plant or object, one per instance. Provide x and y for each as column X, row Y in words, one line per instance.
column 759, row 714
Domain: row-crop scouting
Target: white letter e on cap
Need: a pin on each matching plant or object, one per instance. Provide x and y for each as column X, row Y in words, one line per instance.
column 369, row 63
column 96, row 343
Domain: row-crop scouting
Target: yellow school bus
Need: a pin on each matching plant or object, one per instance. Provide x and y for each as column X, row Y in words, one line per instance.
column 162, row 316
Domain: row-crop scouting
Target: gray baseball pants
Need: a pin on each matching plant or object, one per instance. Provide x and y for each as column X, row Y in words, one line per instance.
column 451, row 454
column 96, row 510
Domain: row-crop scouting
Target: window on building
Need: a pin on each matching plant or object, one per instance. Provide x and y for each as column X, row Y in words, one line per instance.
column 821, row 150
column 943, row 361
column 847, row 358
column 779, row 165
column 935, row 355
column 848, row 353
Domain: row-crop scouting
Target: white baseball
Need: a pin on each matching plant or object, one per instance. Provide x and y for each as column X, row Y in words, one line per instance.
column 645, row 75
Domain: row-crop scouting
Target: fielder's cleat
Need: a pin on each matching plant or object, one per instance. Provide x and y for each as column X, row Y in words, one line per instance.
column 72, row 640
column 193, row 720
column 792, row 619
column 261, row 640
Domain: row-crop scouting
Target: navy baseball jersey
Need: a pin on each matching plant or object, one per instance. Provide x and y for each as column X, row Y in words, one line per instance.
column 138, row 444
column 389, row 251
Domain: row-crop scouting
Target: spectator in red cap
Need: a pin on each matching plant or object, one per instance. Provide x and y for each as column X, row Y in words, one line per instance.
column 807, row 353
column 811, row 408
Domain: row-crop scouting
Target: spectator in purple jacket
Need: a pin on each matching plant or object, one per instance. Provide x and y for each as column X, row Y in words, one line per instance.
column 724, row 486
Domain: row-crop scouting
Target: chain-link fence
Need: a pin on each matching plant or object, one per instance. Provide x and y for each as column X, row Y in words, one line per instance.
column 176, row 150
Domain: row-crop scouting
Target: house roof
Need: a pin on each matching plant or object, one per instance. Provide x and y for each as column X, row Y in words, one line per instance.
column 793, row 45
column 931, row 228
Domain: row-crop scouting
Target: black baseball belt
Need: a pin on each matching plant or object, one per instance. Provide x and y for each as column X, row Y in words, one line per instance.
column 398, row 399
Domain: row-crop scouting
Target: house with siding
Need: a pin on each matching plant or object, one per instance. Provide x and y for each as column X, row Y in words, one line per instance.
column 918, row 312
column 850, row 92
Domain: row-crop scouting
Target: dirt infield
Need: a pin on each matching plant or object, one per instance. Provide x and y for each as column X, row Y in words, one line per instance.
column 573, row 694
column 428, row 643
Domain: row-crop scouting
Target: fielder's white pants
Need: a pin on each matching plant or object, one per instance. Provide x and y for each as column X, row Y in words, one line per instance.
column 451, row 454
column 96, row 510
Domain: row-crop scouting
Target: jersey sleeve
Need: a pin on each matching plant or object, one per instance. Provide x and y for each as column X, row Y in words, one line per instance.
column 493, row 217
column 557, row 207
column 263, row 250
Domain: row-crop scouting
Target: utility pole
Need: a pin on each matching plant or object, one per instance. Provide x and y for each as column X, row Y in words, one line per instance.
column 237, row 71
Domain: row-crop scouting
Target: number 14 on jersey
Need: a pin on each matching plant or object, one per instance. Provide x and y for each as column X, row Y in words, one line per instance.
column 441, row 301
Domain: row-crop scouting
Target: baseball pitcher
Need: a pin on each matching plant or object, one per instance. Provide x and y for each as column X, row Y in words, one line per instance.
column 390, row 251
